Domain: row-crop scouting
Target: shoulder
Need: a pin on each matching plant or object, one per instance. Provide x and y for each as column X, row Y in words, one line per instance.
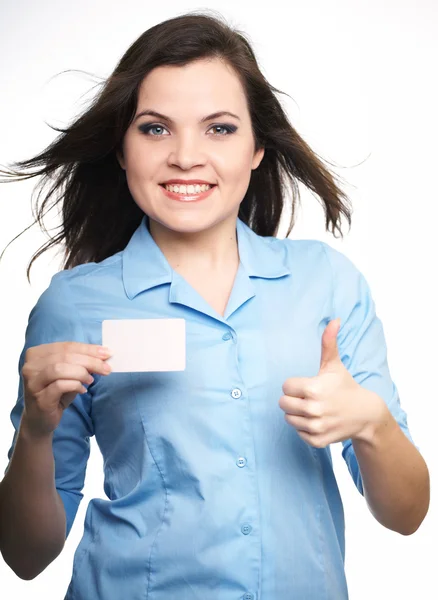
column 317, row 263
column 325, row 255
column 312, row 253
column 71, row 284
column 89, row 273
column 70, row 289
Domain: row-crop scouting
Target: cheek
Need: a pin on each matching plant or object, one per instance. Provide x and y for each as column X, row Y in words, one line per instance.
column 234, row 165
column 142, row 161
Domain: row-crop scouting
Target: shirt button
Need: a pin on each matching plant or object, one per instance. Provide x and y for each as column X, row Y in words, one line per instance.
column 227, row 336
column 248, row 596
column 245, row 529
column 241, row 462
column 236, row 393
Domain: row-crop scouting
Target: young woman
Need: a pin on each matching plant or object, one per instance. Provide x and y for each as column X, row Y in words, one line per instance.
column 219, row 478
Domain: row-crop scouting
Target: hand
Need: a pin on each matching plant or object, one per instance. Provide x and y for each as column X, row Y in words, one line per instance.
column 53, row 374
column 331, row 406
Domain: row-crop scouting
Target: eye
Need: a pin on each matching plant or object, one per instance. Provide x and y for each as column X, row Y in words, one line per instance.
column 148, row 128
column 156, row 130
column 226, row 129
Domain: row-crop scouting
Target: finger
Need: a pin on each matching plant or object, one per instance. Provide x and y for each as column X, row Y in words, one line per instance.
column 300, row 406
column 58, row 371
column 300, row 387
column 312, row 425
column 92, row 364
column 63, row 391
column 68, row 347
column 317, row 441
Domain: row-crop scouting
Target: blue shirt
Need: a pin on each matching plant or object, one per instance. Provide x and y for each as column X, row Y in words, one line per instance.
column 211, row 494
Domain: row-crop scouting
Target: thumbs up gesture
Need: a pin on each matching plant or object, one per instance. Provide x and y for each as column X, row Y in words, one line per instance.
column 331, row 406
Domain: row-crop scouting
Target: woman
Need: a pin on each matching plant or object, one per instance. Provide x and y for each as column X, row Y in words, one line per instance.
column 219, row 477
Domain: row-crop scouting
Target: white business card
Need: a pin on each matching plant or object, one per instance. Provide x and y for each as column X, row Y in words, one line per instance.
column 145, row 344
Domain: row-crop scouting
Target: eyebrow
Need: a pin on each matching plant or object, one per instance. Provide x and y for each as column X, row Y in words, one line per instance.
column 216, row 115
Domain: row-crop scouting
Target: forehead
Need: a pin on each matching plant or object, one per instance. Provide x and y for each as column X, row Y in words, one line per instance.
column 198, row 88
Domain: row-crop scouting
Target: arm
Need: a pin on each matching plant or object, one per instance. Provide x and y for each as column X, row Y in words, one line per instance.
column 41, row 489
column 32, row 516
column 394, row 474
column 383, row 461
column 354, row 400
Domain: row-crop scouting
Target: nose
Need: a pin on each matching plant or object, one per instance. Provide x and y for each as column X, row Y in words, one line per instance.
column 187, row 151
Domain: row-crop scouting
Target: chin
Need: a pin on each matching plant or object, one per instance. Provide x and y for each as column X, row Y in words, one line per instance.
column 186, row 224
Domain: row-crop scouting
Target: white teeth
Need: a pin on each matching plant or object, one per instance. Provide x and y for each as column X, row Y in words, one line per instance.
column 187, row 189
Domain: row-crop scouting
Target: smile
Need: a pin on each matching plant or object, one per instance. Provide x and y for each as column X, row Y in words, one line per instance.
column 188, row 193
column 187, row 189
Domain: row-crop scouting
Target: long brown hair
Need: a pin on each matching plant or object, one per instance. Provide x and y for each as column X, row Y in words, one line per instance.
column 99, row 214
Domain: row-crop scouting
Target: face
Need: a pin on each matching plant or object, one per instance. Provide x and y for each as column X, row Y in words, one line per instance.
column 185, row 142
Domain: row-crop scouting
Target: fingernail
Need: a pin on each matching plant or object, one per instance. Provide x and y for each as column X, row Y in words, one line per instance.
column 104, row 351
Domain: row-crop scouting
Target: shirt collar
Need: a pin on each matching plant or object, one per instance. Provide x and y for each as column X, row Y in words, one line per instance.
column 144, row 266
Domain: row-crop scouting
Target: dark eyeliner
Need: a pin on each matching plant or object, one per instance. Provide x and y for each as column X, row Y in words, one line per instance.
column 146, row 127
column 228, row 126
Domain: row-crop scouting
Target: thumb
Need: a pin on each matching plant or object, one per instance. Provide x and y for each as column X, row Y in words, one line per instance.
column 329, row 344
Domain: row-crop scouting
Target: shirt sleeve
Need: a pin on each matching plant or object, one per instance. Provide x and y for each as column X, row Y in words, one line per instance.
column 362, row 344
column 55, row 319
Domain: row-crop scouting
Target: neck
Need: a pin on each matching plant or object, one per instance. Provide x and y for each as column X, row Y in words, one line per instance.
column 213, row 249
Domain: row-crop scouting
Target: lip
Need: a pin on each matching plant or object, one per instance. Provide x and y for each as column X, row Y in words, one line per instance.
column 187, row 182
column 187, row 197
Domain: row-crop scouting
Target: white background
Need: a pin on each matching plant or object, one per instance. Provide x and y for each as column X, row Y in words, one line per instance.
column 362, row 81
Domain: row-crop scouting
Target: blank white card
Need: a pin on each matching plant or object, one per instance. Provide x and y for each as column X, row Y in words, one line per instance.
column 145, row 344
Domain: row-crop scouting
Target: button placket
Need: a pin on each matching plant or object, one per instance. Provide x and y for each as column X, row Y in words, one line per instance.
column 241, row 461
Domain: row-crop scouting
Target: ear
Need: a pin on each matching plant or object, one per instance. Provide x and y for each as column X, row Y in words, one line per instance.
column 120, row 159
column 257, row 159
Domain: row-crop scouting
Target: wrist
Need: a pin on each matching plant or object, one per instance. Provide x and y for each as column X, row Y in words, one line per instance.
column 28, row 433
column 378, row 419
